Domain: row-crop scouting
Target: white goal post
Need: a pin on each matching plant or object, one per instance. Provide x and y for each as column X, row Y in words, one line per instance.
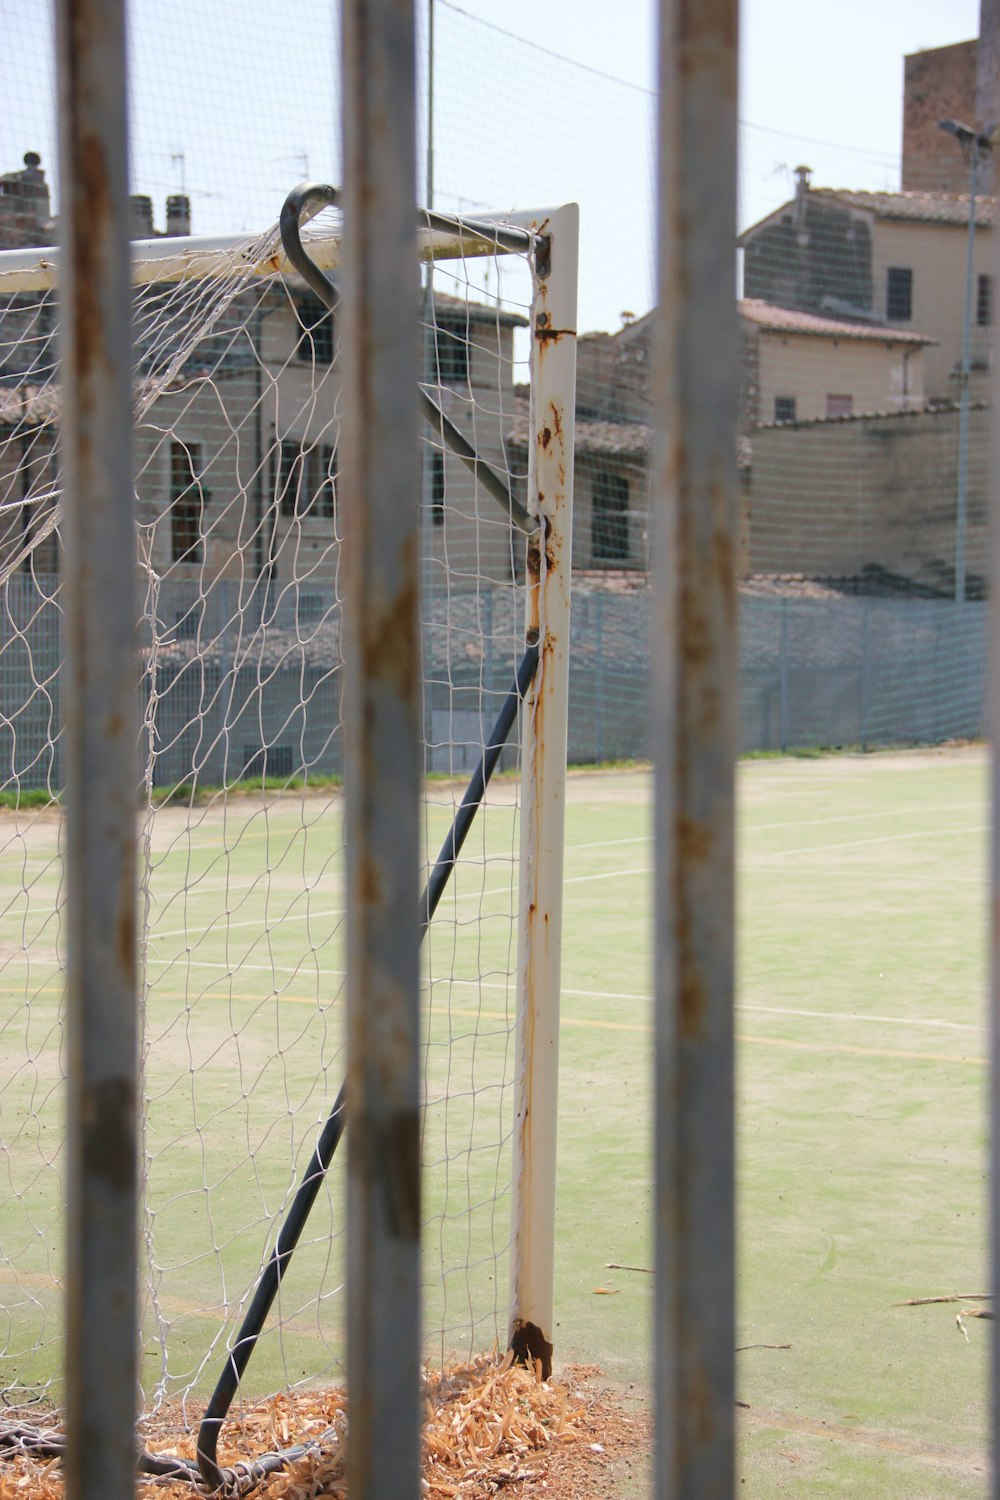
column 237, row 406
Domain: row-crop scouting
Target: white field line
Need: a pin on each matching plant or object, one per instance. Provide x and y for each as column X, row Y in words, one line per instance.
column 936, row 1023
column 888, row 838
column 504, row 985
column 748, row 828
column 641, row 870
column 747, row 831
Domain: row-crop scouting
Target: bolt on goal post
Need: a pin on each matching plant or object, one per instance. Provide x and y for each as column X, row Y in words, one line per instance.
column 236, row 407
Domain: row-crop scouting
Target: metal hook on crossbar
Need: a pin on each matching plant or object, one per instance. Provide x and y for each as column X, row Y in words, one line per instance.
column 309, row 199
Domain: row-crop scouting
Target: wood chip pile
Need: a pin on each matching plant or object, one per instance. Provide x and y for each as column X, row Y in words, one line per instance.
column 490, row 1428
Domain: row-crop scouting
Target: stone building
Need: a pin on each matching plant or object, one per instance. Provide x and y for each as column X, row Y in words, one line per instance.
column 894, row 260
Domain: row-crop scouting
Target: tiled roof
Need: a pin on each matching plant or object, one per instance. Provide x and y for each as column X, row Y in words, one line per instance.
column 479, row 312
column 918, row 208
column 790, row 320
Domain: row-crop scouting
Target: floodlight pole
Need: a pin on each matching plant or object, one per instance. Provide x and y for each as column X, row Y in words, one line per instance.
column 977, row 143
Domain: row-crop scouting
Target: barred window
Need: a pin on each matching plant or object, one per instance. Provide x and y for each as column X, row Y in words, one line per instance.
column 187, row 503
column 609, row 524
column 451, row 349
column 899, row 294
column 315, row 342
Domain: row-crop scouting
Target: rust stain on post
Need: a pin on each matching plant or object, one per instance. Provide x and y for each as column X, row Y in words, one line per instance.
column 528, row 1345
column 108, row 1120
column 87, row 250
column 403, row 1173
column 390, row 654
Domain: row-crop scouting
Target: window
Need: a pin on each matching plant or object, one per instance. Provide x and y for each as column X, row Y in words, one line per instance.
column 839, row 406
column 306, row 478
column 984, row 301
column 899, row 294
column 609, row 520
column 437, row 488
column 315, row 342
column 326, row 492
column 451, row 350
column 784, row 408
column 187, row 503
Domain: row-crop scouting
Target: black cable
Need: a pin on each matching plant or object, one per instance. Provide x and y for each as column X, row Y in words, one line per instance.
column 288, row 1237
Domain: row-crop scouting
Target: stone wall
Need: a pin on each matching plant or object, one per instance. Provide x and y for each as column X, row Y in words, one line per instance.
column 874, row 494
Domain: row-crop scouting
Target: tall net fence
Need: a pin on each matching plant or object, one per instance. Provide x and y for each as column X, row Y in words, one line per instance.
column 854, row 291
column 863, row 583
column 239, row 811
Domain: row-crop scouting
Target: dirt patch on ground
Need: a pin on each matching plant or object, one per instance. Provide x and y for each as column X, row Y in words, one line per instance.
column 490, row 1428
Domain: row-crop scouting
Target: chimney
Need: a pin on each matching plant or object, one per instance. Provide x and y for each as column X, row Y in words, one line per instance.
column 25, row 213
column 140, row 217
column 803, row 177
column 33, row 184
column 178, row 214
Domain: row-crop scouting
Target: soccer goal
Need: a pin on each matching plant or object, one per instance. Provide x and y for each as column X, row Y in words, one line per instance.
column 239, row 814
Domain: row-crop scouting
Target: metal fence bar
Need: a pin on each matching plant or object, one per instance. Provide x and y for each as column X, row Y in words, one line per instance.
column 544, row 739
column 694, row 652
column 101, row 755
column 993, row 712
column 382, row 724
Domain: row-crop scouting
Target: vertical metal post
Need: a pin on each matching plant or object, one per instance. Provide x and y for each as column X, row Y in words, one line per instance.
column 694, row 667
column 101, row 726
column 783, row 679
column 536, row 1066
column 865, row 672
column 599, row 679
column 382, row 719
column 994, row 1001
column 961, row 504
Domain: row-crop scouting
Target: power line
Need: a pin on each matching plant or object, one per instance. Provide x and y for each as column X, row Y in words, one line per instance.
column 548, row 51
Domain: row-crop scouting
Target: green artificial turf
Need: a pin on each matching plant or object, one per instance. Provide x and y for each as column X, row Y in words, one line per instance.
column 861, row 1100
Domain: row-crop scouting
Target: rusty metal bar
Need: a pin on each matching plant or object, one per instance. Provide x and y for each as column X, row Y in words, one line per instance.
column 382, row 719
column 694, row 691
column 99, row 694
column 543, row 774
column 994, row 999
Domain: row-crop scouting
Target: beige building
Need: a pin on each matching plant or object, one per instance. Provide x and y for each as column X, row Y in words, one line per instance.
column 214, row 506
column 237, row 458
column 892, row 259
column 807, row 366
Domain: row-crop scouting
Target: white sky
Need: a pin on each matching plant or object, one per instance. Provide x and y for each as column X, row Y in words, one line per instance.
column 236, row 100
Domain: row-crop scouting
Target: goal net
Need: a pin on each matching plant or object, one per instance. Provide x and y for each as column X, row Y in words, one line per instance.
column 239, row 812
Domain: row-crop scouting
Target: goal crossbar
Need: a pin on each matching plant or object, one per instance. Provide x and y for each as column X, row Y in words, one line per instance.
column 196, row 257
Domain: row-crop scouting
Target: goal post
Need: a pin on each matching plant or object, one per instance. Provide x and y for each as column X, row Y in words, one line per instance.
column 549, row 575
column 238, row 405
